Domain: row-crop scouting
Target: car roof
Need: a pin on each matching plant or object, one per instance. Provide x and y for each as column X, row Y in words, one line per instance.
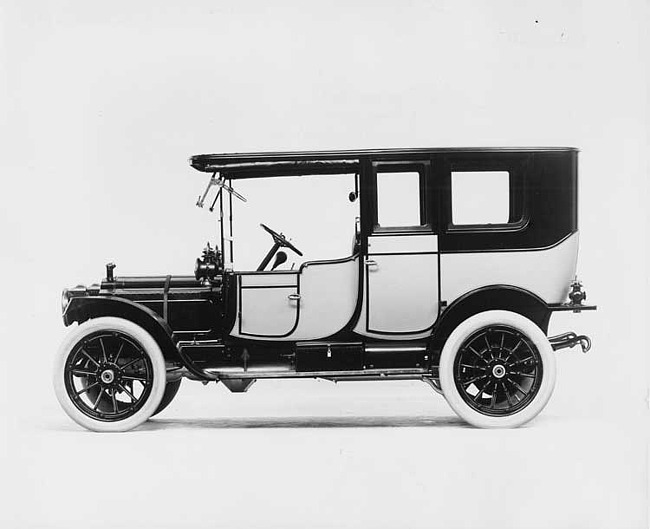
column 243, row 165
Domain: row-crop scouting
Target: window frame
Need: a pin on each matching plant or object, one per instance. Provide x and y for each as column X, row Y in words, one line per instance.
column 519, row 214
column 423, row 169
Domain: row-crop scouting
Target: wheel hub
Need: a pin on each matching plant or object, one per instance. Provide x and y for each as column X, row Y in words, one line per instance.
column 108, row 376
column 498, row 371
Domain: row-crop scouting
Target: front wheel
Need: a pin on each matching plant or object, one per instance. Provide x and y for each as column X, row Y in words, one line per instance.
column 171, row 389
column 109, row 375
column 497, row 370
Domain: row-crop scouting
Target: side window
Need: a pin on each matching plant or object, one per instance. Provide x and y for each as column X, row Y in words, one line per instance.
column 398, row 199
column 480, row 197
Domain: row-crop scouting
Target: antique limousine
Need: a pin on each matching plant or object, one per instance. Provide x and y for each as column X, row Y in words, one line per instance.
column 459, row 259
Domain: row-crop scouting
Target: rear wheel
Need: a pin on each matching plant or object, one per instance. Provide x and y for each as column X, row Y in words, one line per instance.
column 109, row 375
column 497, row 370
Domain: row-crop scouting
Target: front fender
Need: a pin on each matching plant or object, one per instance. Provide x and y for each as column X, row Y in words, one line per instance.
column 81, row 309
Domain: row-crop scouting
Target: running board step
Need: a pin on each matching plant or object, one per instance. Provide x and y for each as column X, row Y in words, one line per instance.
column 366, row 374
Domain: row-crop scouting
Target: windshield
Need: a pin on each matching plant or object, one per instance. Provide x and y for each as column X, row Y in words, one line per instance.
column 313, row 212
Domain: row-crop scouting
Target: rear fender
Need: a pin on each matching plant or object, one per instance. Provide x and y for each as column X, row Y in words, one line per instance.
column 497, row 297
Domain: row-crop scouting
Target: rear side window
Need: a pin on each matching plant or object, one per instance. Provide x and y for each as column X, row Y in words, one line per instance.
column 480, row 198
column 398, row 199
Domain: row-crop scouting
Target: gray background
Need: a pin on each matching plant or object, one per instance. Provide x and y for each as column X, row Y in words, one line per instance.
column 103, row 103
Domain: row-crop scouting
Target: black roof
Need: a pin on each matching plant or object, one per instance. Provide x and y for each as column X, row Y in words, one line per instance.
column 244, row 164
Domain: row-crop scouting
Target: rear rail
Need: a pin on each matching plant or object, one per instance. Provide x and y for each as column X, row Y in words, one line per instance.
column 569, row 340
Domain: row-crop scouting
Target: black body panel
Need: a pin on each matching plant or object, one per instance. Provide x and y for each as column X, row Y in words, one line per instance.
column 329, row 357
column 543, row 202
column 187, row 307
column 193, row 315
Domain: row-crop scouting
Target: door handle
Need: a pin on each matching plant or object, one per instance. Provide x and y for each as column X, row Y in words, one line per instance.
column 294, row 297
column 370, row 263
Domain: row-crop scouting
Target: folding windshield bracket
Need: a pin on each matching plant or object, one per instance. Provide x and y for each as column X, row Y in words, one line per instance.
column 227, row 256
column 231, row 261
column 220, row 182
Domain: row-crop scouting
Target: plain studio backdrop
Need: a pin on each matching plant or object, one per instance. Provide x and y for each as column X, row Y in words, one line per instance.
column 102, row 104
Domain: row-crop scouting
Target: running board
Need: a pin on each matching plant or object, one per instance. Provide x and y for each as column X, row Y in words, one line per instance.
column 569, row 340
column 362, row 374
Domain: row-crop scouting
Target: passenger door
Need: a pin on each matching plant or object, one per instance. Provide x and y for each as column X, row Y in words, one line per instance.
column 401, row 265
column 268, row 304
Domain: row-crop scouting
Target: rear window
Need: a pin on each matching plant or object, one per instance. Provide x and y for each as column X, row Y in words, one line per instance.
column 480, row 197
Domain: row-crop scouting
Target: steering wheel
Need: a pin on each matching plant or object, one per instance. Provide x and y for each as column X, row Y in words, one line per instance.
column 281, row 240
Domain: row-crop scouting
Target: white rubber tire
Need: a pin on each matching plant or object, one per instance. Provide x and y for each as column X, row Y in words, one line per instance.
column 149, row 346
column 462, row 333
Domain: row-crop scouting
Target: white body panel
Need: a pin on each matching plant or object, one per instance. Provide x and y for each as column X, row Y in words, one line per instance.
column 402, row 243
column 403, row 293
column 400, row 291
column 545, row 272
column 401, row 287
column 328, row 296
column 267, row 311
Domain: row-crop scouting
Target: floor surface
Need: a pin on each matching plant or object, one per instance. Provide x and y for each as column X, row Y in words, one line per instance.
column 314, row 454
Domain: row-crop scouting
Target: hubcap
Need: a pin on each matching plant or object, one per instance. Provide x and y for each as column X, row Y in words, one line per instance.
column 498, row 370
column 108, row 376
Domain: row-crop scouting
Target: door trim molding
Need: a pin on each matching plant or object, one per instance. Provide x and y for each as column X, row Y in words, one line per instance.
column 240, row 308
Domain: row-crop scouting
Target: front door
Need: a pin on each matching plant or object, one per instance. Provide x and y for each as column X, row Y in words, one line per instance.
column 401, row 265
column 269, row 304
